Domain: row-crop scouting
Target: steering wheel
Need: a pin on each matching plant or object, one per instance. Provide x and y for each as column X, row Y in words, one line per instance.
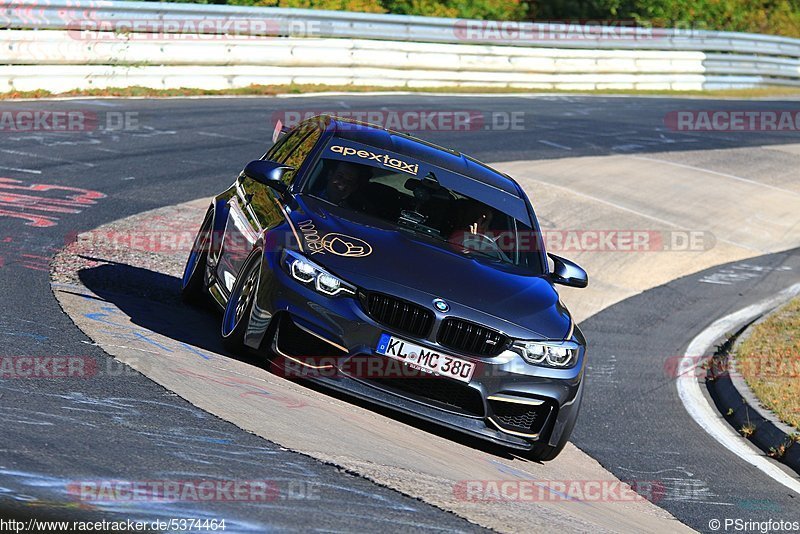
column 484, row 244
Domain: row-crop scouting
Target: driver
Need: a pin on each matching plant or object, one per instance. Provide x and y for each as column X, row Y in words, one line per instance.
column 473, row 218
column 473, row 233
column 343, row 182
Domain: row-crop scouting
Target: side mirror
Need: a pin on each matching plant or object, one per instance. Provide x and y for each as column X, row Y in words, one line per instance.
column 269, row 173
column 567, row 273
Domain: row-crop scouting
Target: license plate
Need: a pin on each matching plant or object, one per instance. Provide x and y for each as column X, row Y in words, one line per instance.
column 425, row 359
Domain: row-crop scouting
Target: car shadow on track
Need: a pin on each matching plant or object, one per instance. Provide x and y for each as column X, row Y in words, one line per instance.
column 152, row 301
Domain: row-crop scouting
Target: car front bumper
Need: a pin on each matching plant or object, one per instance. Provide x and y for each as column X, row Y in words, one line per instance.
column 507, row 401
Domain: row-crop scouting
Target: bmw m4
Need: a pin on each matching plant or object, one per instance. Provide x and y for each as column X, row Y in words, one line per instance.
column 400, row 272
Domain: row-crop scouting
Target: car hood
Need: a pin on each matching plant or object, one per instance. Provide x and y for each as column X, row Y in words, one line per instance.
column 378, row 257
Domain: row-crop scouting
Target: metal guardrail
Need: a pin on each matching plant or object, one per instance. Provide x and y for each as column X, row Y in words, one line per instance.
column 456, row 49
column 65, row 14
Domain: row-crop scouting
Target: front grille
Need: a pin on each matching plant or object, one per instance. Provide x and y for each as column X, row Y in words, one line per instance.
column 471, row 338
column 443, row 392
column 524, row 418
column 398, row 314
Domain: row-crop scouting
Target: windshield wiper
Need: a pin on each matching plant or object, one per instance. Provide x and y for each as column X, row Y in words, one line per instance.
column 412, row 217
column 416, row 221
column 473, row 253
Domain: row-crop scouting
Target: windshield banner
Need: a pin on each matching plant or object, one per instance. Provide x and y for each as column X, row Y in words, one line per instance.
column 358, row 153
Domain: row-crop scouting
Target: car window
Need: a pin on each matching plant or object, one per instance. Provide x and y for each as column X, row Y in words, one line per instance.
column 300, row 151
column 287, row 144
column 282, row 147
column 294, row 147
column 425, row 208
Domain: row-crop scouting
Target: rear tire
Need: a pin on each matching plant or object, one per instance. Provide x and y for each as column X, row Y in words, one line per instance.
column 240, row 303
column 193, row 283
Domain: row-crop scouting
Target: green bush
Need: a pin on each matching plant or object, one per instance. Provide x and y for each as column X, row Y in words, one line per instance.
column 363, row 6
column 780, row 17
column 463, row 9
column 760, row 16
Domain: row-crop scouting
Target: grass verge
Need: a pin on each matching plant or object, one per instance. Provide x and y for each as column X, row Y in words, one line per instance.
column 769, row 360
column 271, row 90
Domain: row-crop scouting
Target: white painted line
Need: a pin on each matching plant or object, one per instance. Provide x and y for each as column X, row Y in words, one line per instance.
column 556, row 145
column 626, row 148
column 394, row 93
column 722, row 174
column 606, row 202
column 224, row 136
column 29, row 171
column 49, row 158
column 104, row 102
column 633, row 211
column 701, row 411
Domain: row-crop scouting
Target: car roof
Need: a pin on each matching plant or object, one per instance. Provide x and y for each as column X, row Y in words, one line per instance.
column 408, row 145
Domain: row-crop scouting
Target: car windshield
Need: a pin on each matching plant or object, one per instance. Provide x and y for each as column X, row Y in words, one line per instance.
column 422, row 206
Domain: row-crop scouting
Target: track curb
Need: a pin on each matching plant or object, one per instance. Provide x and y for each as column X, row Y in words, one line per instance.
column 741, row 407
column 702, row 409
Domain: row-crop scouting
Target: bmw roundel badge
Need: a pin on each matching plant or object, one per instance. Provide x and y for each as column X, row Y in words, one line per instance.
column 441, row 305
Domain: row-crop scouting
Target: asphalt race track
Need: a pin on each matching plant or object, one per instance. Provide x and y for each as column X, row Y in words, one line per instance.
column 649, row 433
column 119, row 424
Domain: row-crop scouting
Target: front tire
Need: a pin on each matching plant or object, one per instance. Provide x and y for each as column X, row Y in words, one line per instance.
column 240, row 303
column 542, row 452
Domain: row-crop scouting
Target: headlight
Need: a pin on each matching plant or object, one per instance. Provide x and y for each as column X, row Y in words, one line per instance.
column 303, row 271
column 307, row 272
column 328, row 284
column 559, row 354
